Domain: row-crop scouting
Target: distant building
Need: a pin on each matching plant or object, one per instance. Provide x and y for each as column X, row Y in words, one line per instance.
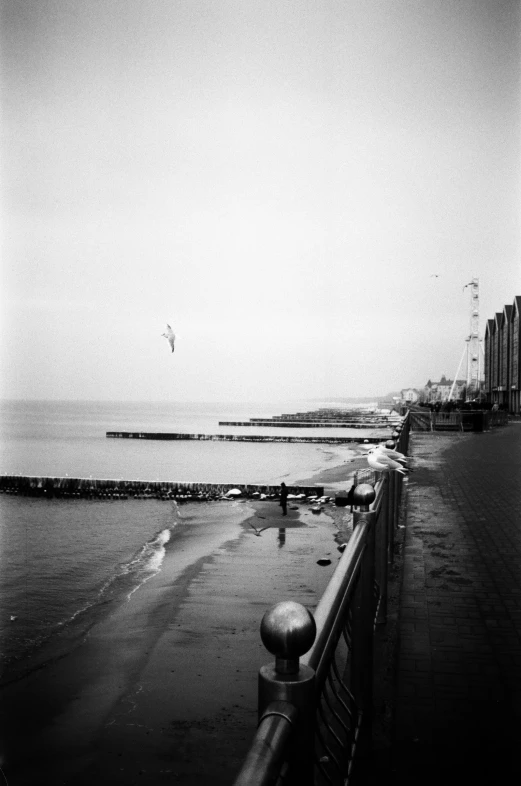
column 488, row 352
column 515, row 356
column 410, row 395
column 440, row 391
column 502, row 358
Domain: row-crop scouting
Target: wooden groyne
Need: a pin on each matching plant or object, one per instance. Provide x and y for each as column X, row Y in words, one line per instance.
column 370, row 417
column 235, row 437
column 97, row 488
column 305, row 423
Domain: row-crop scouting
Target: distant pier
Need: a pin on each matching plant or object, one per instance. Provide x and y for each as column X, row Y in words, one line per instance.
column 305, row 423
column 318, row 418
column 235, row 437
column 97, row 488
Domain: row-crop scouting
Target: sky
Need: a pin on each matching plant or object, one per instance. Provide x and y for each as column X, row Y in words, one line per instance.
column 300, row 189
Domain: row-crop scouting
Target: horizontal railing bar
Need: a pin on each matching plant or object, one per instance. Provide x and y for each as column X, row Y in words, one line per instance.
column 269, row 747
column 334, row 595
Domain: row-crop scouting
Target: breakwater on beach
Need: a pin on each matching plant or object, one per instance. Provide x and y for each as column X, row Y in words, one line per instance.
column 160, row 435
column 96, row 488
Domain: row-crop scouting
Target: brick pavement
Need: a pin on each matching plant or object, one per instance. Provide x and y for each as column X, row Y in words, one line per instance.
column 457, row 694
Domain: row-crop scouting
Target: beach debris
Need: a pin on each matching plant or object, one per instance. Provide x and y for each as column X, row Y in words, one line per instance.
column 324, row 561
column 342, row 499
column 170, row 336
column 316, row 509
column 233, row 493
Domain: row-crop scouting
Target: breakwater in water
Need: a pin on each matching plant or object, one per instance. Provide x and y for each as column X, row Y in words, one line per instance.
column 302, row 423
column 235, row 437
column 96, row 488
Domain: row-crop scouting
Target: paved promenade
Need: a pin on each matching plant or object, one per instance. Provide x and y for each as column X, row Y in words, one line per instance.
column 457, row 702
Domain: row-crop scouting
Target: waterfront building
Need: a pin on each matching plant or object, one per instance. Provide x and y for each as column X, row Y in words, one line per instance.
column 514, row 404
column 410, row 395
column 487, row 385
column 502, row 358
column 496, row 358
column 435, row 392
column 504, row 344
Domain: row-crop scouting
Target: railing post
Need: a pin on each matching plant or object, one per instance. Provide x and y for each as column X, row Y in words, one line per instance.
column 396, row 492
column 363, row 619
column 288, row 631
column 390, row 515
column 382, row 551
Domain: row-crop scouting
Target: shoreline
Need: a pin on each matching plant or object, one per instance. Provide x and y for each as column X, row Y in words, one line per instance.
column 173, row 669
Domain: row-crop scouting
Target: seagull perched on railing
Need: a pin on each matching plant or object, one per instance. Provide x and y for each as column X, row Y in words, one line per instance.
column 393, row 454
column 170, row 335
column 390, row 452
column 380, row 461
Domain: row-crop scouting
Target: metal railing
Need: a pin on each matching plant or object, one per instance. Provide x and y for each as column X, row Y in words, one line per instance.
column 467, row 420
column 315, row 701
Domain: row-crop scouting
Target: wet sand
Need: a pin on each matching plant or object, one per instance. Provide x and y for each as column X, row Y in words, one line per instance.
column 164, row 688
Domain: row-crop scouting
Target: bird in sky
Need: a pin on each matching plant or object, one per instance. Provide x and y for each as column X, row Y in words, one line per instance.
column 378, row 460
column 170, row 336
column 434, row 275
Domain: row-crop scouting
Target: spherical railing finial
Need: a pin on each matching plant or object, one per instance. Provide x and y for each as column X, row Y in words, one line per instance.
column 391, row 444
column 288, row 631
column 363, row 495
column 396, row 434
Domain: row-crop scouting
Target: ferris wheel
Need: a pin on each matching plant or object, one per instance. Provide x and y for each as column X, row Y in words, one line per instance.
column 473, row 350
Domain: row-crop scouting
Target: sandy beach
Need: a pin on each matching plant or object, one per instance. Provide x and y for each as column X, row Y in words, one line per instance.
column 163, row 688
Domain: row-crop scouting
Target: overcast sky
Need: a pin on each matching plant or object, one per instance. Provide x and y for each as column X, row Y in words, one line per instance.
column 280, row 181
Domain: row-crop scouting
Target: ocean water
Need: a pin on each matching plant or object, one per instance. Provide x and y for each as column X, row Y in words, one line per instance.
column 62, row 562
column 69, row 438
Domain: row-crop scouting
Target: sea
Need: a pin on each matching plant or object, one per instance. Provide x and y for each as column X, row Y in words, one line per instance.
column 63, row 561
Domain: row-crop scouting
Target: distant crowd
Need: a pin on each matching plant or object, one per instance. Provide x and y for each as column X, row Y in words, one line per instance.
column 460, row 406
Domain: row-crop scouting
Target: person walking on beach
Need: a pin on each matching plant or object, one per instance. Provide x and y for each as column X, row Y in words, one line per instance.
column 284, row 498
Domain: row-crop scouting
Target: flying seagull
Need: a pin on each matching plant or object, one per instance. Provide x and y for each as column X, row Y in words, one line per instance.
column 434, row 275
column 258, row 531
column 170, row 335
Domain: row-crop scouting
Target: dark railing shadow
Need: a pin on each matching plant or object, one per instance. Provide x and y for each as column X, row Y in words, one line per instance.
column 315, row 701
